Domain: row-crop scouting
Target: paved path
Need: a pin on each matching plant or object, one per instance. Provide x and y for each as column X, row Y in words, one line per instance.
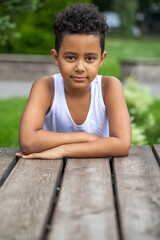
column 22, row 88
column 14, row 88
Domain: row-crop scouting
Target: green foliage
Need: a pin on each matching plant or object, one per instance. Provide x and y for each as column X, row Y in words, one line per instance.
column 145, row 5
column 103, row 5
column 107, row 5
column 31, row 32
column 144, row 112
column 8, row 12
column 6, row 28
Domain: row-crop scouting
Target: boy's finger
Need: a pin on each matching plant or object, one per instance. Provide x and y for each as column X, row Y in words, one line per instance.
column 33, row 155
column 19, row 154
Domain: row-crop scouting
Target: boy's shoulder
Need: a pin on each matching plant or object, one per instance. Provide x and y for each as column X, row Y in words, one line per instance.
column 44, row 83
column 111, row 88
column 43, row 87
column 42, row 92
column 109, row 82
column 44, row 80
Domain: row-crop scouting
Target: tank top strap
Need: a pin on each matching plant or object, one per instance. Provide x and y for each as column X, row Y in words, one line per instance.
column 97, row 90
column 58, row 85
column 58, row 91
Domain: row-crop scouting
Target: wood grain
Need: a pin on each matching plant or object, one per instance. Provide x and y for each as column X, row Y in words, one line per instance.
column 138, row 190
column 85, row 209
column 7, row 162
column 25, row 198
column 156, row 151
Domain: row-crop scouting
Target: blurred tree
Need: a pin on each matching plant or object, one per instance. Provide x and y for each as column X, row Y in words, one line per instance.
column 33, row 27
column 103, row 5
column 8, row 12
column 127, row 11
column 108, row 5
column 145, row 5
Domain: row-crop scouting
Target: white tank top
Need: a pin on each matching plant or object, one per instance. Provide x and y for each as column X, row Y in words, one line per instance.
column 59, row 119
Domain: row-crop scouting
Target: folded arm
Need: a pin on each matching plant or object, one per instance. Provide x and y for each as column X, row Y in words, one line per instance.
column 103, row 147
column 32, row 137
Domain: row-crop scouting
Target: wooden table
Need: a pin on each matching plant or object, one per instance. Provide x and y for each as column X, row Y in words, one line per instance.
column 81, row 198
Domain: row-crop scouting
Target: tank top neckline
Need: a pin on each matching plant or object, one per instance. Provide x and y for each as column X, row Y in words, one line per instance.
column 90, row 106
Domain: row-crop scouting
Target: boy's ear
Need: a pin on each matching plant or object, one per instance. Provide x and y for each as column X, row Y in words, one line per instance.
column 103, row 57
column 55, row 56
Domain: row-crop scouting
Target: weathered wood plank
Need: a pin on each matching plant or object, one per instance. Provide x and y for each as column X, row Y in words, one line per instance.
column 25, row 198
column 85, row 208
column 138, row 190
column 7, row 162
column 156, row 151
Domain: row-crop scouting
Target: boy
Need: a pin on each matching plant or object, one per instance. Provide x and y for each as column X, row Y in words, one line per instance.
column 76, row 113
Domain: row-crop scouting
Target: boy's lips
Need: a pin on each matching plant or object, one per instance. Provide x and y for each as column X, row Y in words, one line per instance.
column 79, row 79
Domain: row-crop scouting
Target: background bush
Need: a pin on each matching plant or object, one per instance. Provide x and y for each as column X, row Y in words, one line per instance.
column 144, row 112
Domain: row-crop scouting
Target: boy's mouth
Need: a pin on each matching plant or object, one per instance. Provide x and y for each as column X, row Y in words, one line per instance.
column 79, row 79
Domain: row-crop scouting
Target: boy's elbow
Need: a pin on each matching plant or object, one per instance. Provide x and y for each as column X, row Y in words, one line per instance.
column 26, row 146
column 125, row 152
column 121, row 148
column 125, row 149
column 25, row 149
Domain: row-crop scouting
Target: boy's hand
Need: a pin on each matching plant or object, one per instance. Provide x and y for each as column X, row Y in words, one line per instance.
column 53, row 153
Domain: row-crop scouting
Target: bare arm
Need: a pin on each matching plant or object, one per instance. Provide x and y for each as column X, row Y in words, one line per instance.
column 32, row 137
column 117, row 144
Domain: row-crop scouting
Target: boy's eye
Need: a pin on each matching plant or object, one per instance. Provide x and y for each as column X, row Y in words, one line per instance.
column 70, row 58
column 90, row 59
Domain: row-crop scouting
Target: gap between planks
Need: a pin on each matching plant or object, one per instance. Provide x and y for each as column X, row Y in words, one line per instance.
column 156, row 152
column 54, row 199
column 8, row 163
column 115, row 194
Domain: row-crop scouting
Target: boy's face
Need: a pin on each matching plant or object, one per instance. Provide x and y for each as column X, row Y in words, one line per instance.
column 79, row 59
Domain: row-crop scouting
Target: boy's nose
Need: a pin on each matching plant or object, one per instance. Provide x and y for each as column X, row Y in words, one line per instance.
column 80, row 67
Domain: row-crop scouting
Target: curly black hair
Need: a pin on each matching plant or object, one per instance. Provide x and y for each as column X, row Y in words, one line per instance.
column 80, row 19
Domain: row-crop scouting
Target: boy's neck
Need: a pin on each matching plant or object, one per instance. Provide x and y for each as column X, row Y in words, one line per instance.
column 76, row 92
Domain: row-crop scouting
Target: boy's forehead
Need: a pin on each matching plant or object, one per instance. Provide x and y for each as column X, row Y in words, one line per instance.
column 72, row 41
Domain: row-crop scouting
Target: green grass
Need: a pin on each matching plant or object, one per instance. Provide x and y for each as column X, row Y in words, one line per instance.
column 10, row 114
column 127, row 49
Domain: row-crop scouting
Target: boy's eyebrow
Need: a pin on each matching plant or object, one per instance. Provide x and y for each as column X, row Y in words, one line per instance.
column 68, row 52
column 90, row 53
